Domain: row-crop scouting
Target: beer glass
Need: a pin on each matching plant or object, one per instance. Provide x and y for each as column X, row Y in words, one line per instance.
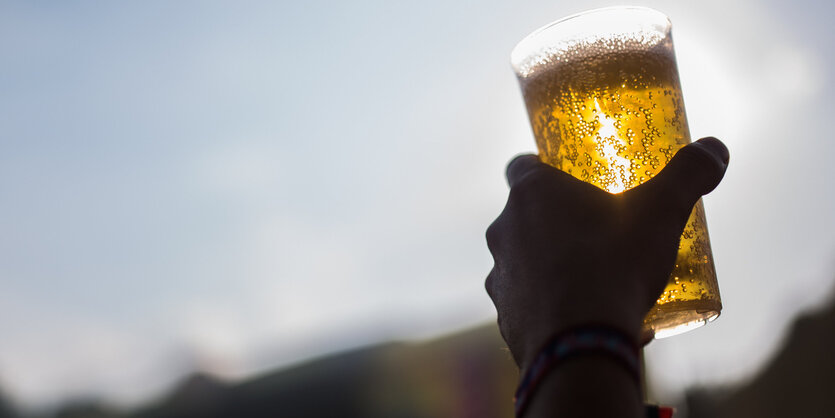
column 605, row 104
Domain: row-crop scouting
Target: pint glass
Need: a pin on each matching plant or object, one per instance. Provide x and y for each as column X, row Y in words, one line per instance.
column 605, row 104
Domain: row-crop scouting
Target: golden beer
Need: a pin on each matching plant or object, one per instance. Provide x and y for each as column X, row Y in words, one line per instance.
column 608, row 110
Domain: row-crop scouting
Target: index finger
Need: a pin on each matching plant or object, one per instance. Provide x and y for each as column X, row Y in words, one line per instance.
column 520, row 166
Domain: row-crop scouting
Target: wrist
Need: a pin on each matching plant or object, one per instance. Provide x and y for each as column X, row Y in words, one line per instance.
column 626, row 322
column 587, row 386
column 600, row 351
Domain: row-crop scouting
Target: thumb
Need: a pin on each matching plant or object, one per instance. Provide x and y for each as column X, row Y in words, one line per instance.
column 694, row 171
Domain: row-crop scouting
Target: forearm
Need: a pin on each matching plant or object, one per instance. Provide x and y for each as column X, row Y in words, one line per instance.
column 586, row 387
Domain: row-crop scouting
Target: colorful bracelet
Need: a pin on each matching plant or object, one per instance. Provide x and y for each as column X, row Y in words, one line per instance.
column 590, row 339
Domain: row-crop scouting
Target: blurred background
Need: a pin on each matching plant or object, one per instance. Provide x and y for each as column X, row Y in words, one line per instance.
column 210, row 206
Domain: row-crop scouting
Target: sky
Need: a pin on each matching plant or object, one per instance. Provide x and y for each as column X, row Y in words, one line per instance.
column 239, row 186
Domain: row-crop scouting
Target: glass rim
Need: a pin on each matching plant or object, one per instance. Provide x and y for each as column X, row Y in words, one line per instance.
column 539, row 31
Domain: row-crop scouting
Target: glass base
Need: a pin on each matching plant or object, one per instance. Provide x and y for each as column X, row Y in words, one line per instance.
column 679, row 317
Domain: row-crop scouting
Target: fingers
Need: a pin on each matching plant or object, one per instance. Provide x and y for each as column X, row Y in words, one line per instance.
column 520, row 166
column 647, row 335
column 488, row 283
column 694, row 171
column 717, row 148
column 526, row 165
column 492, row 236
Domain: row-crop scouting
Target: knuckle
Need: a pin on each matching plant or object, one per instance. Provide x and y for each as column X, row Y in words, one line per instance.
column 540, row 181
column 524, row 191
column 492, row 235
column 531, row 180
column 701, row 155
column 488, row 283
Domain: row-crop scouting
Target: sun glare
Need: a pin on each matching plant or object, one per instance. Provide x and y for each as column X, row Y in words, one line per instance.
column 610, row 142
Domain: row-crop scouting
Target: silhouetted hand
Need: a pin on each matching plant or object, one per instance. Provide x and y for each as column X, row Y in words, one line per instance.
column 569, row 253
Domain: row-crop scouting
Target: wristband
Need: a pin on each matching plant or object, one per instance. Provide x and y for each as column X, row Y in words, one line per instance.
column 583, row 340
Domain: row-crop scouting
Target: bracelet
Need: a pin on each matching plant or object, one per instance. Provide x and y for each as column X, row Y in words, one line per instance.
column 589, row 339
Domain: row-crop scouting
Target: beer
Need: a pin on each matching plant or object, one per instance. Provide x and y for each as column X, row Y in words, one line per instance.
column 609, row 111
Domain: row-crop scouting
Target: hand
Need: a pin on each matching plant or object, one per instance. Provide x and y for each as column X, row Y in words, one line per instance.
column 568, row 253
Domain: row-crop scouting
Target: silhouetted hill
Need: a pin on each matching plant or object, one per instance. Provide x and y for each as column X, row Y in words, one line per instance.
column 465, row 375
column 87, row 409
column 799, row 382
column 470, row 374
column 6, row 409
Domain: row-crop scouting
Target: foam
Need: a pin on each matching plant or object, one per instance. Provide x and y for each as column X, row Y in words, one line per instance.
column 594, row 48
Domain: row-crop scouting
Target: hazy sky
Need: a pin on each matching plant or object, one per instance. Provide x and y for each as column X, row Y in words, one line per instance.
column 235, row 186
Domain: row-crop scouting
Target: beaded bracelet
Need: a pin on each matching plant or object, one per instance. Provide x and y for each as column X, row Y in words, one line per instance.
column 589, row 339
